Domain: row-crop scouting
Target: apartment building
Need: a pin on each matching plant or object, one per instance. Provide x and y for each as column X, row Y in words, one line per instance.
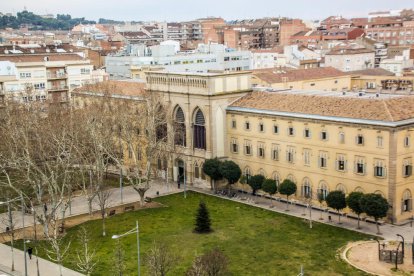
column 325, row 141
column 205, row 58
column 379, row 80
column 350, row 59
column 391, row 30
column 289, row 27
column 40, row 77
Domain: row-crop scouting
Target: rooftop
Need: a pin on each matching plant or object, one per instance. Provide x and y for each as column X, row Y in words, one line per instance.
column 331, row 105
column 276, row 76
column 123, row 88
column 41, row 57
column 373, row 72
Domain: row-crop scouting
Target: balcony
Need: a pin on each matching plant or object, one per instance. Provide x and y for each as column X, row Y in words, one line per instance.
column 57, row 76
column 55, row 88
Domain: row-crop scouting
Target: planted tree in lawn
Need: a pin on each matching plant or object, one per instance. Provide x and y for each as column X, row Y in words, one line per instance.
column 376, row 206
column 211, row 168
column 270, row 187
column 203, row 222
column 336, row 200
column 230, row 171
column 321, row 200
column 255, row 182
column 211, row 263
column 353, row 201
column 160, row 260
column 287, row 188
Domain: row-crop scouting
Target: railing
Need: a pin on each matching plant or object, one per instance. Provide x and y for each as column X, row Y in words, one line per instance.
column 58, row 88
column 57, row 76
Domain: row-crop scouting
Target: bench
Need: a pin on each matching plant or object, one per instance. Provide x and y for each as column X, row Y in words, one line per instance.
column 129, row 208
column 111, row 213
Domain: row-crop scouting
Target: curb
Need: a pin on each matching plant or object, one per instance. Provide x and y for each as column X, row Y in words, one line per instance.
column 345, row 258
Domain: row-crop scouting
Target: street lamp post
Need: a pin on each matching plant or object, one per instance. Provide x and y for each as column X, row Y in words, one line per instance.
column 396, row 256
column 379, row 249
column 132, row 231
column 403, row 241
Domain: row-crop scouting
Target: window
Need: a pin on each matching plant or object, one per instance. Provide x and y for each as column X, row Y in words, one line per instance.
column 307, row 133
column 324, row 135
column 261, row 127
column 379, row 168
column 380, row 141
column 312, row 84
column 406, row 141
column 275, row 152
column 340, row 162
column 306, row 156
column 341, row 137
column 25, row 75
column 360, row 140
column 406, row 204
column 234, row 146
column 260, row 150
column 247, row 147
column 85, row 71
column 139, row 154
column 291, row 131
column 199, row 130
column 276, row 177
column 275, row 129
column 323, row 190
column 290, row 154
column 247, row 125
column 306, row 188
column 407, row 167
column 247, row 173
column 180, row 129
column 323, row 159
column 360, row 165
column 233, row 124
column 39, row 86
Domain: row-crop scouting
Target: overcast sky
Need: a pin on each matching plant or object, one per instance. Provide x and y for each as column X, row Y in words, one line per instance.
column 179, row 10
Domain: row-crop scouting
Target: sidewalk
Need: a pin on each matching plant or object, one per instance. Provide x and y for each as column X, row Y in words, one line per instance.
column 389, row 231
column 45, row 267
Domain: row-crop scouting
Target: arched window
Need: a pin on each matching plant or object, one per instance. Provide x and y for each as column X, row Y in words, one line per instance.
column 180, row 129
column 161, row 124
column 199, row 130
column 406, row 205
column 359, row 189
column 291, row 178
column 262, row 172
column 203, row 175
column 306, row 188
column 276, row 177
column 247, row 173
column 323, row 189
column 341, row 187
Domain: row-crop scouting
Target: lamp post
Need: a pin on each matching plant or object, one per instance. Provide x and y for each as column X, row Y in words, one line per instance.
column 24, row 242
column 403, row 241
column 132, row 231
column 379, row 248
column 396, row 256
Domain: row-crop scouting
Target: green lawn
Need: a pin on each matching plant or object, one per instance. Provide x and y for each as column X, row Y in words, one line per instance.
column 258, row 242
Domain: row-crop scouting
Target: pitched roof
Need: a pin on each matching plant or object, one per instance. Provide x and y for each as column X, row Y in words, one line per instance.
column 275, row 76
column 41, row 57
column 124, row 88
column 388, row 109
column 373, row 72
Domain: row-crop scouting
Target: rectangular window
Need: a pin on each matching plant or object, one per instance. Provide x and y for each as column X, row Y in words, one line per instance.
column 360, row 165
column 129, row 152
column 406, row 141
column 261, row 127
column 234, row 146
column 261, row 150
column 407, row 167
column 247, row 125
column 379, row 141
column 247, row 147
column 306, row 157
column 290, row 154
column 275, row 152
column 275, row 129
column 340, row 162
column 360, row 140
column 324, row 135
column 379, row 168
column 341, row 138
column 233, row 124
column 306, row 133
column 25, row 75
column 291, row 131
column 323, row 159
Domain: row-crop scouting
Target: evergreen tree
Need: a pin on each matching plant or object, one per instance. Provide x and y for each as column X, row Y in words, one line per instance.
column 203, row 222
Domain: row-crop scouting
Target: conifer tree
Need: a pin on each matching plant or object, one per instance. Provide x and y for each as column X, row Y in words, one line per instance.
column 203, row 222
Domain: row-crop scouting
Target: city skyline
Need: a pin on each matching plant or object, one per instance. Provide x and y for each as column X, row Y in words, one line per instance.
column 129, row 10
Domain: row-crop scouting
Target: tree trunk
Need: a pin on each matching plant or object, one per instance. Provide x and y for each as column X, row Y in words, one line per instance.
column 141, row 193
column 310, row 217
column 287, row 203
column 339, row 217
column 359, row 227
column 378, row 229
column 90, row 206
column 103, row 223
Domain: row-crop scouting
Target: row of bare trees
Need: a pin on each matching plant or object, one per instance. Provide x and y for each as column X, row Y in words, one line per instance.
column 47, row 155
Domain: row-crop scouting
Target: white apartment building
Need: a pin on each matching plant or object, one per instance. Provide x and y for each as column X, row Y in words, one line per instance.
column 398, row 63
column 350, row 59
column 37, row 77
column 263, row 59
column 206, row 57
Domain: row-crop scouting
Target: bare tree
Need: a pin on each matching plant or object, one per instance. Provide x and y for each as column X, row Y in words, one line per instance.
column 118, row 261
column 86, row 257
column 103, row 200
column 160, row 260
column 212, row 263
column 10, row 224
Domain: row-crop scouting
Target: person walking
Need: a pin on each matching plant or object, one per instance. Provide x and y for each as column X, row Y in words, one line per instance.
column 30, row 252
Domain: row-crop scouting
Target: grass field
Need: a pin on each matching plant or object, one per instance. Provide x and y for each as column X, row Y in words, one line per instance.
column 257, row 242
